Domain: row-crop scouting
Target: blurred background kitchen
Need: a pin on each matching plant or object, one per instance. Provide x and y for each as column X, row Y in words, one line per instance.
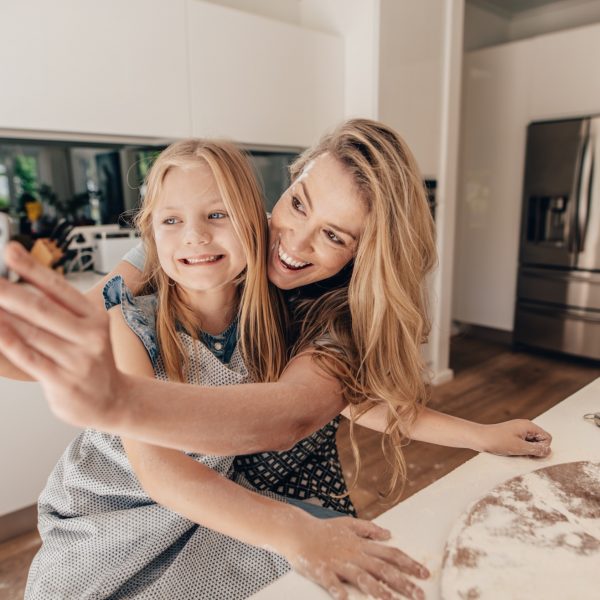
column 91, row 90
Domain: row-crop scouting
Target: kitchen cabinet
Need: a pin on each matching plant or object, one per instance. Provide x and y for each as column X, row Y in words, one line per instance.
column 84, row 66
column 505, row 88
column 261, row 81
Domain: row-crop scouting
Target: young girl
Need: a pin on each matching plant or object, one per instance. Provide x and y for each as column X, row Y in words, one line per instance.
column 119, row 518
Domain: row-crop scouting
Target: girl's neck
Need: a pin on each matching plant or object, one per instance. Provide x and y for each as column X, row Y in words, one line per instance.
column 214, row 309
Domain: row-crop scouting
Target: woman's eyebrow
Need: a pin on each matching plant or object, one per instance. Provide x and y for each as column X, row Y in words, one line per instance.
column 337, row 227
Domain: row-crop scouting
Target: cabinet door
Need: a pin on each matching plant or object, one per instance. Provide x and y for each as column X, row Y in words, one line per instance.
column 108, row 67
column 565, row 77
column 493, row 122
column 261, row 81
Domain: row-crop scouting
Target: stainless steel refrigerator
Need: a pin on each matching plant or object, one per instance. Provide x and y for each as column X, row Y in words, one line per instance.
column 558, row 289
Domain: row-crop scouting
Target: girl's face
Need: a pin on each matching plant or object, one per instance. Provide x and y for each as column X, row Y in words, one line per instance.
column 196, row 243
column 315, row 225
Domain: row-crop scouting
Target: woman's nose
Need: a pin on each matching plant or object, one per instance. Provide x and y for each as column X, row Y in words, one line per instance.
column 299, row 242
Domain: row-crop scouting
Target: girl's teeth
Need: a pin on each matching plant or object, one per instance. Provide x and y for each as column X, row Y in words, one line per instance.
column 195, row 261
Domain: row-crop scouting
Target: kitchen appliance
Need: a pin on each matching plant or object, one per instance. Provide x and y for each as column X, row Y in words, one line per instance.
column 558, row 288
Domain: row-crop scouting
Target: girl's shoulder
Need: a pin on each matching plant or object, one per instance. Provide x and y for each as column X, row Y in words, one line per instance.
column 139, row 312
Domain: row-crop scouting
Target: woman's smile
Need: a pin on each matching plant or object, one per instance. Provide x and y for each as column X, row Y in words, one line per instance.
column 316, row 225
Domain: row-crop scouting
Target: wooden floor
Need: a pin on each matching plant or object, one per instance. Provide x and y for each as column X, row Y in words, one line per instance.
column 492, row 383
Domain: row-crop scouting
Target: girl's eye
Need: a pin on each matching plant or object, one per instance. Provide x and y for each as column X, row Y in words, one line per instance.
column 217, row 215
column 171, row 221
column 297, row 204
column 334, row 238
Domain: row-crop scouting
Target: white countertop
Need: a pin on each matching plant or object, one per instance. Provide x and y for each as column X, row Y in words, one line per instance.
column 83, row 281
column 420, row 525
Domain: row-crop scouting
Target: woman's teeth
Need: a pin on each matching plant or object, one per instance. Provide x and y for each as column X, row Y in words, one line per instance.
column 288, row 261
column 197, row 261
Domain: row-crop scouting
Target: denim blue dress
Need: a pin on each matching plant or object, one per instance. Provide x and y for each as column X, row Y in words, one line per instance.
column 104, row 537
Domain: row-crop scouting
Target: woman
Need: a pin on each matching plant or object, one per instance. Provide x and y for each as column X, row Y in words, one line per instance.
column 352, row 241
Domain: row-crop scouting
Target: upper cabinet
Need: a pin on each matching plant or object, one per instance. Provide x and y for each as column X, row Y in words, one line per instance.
column 262, row 81
column 166, row 69
column 565, row 77
column 109, row 67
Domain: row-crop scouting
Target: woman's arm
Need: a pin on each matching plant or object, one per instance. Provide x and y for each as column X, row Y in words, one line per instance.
column 60, row 338
column 517, row 437
column 202, row 495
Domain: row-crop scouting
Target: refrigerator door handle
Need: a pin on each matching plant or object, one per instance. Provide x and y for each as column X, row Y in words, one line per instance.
column 585, row 191
column 573, row 235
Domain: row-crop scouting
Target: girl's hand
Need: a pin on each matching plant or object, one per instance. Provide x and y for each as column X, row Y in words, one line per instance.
column 518, row 437
column 332, row 551
column 57, row 336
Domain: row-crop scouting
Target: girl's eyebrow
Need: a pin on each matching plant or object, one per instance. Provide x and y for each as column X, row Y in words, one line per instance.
column 336, row 227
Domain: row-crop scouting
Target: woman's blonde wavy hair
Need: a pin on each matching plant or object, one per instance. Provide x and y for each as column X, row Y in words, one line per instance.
column 371, row 331
column 261, row 311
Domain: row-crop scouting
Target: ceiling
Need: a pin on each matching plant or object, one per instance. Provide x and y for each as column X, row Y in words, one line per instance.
column 510, row 8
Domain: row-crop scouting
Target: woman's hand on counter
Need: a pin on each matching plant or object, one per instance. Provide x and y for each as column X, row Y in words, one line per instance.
column 344, row 549
column 518, row 437
column 54, row 334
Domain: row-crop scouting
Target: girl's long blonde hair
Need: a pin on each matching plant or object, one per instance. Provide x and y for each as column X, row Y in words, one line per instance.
column 261, row 311
column 371, row 330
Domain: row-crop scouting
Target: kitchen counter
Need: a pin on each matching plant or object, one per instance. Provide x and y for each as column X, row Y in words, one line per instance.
column 420, row 525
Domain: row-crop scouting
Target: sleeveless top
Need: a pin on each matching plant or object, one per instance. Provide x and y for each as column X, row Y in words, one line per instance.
column 104, row 537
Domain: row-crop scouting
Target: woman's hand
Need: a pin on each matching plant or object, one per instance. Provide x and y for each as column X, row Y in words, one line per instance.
column 332, row 551
column 54, row 334
column 518, row 437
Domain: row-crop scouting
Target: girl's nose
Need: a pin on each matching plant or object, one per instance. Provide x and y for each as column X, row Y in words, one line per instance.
column 196, row 235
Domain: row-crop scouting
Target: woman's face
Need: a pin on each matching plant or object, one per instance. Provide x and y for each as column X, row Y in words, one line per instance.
column 315, row 226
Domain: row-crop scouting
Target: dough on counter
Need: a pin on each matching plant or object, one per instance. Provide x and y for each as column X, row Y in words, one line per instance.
column 534, row 536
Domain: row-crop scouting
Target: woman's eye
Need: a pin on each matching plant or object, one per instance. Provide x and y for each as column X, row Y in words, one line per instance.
column 334, row 238
column 297, row 204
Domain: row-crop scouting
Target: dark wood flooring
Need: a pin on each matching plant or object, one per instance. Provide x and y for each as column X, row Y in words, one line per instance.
column 492, row 383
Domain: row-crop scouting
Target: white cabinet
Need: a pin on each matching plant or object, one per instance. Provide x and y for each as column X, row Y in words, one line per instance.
column 32, row 440
column 109, row 67
column 505, row 88
column 260, row 81
column 564, row 74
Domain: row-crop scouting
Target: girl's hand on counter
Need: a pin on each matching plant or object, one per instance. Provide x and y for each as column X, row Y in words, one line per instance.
column 344, row 549
column 518, row 437
column 54, row 334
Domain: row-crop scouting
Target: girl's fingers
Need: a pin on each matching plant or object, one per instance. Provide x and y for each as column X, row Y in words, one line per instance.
column 392, row 577
column 369, row 530
column 26, row 358
column 49, row 282
column 330, row 582
column 540, row 449
column 39, row 340
column 41, row 311
column 399, row 559
column 365, row 582
column 537, row 434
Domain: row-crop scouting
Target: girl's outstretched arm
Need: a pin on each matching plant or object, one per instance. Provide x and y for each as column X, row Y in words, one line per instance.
column 133, row 279
column 328, row 552
column 518, row 437
column 60, row 338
